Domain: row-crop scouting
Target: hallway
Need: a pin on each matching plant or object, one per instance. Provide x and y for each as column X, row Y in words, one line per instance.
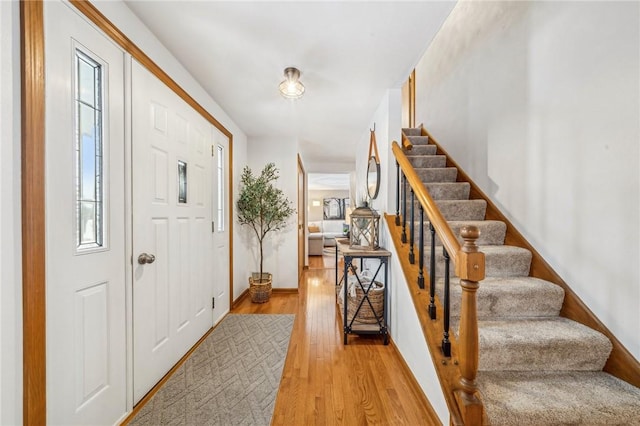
column 327, row 383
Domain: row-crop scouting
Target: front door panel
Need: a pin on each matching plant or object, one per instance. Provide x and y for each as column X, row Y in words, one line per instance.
column 172, row 215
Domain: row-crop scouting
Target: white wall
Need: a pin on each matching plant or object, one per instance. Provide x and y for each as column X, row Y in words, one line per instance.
column 539, row 103
column 281, row 247
column 406, row 332
column 387, row 118
column 10, row 228
column 127, row 22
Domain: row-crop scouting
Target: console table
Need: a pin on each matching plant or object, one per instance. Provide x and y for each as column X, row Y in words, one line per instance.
column 350, row 255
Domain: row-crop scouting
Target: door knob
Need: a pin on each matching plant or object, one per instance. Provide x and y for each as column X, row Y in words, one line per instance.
column 146, row 258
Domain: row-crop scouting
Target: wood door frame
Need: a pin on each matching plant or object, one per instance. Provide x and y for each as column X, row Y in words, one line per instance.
column 34, row 408
column 412, row 98
column 302, row 253
column 32, row 62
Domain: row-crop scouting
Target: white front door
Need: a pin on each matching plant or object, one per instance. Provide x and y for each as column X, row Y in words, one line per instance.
column 85, row 222
column 172, row 228
column 220, row 188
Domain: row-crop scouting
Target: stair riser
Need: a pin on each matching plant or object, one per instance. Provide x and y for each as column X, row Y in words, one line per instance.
column 448, row 174
column 558, row 398
column 418, row 140
column 410, row 131
column 496, row 264
column 509, row 299
column 548, row 347
column 463, row 209
column 422, row 150
column 428, row 161
column 449, row 191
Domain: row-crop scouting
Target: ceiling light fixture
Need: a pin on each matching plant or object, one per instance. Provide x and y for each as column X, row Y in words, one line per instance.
column 291, row 87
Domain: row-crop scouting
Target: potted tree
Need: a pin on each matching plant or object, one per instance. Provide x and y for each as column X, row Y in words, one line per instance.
column 265, row 209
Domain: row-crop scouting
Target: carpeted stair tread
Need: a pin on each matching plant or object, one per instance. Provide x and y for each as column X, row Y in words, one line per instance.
column 492, row 232
column 500, row 261
column 418, row 140
column 509, row 297
column 558, row 398
column 412, row 131
column 421, row 150
column 530, row 344
column 428, row 161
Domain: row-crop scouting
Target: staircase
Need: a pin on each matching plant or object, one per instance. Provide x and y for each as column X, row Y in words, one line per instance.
column 535, row 367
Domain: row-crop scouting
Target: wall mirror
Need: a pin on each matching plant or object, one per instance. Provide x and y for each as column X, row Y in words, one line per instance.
column 373, row 177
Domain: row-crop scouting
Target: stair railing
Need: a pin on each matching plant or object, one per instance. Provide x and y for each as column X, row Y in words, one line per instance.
column 469, row 267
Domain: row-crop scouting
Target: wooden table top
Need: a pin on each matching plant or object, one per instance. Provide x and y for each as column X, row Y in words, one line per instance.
column 343, row 247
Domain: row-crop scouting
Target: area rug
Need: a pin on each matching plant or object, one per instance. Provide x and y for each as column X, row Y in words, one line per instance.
column 231, row 378
column 329, row 249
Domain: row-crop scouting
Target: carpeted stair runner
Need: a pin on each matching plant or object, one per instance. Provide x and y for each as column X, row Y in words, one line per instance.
column 536, row 368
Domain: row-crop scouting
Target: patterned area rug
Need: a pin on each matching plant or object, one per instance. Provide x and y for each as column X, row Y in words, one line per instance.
column 231, row 378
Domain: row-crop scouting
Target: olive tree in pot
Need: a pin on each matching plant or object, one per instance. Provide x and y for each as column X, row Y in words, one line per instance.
column 264, row 208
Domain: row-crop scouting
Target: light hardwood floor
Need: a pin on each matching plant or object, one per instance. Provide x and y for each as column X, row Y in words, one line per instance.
column 327, row 383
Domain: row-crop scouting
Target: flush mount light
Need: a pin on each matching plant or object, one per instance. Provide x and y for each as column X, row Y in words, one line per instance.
column 291, row 87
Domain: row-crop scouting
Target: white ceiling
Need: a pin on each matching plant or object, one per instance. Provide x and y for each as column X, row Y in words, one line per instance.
column 349, row 53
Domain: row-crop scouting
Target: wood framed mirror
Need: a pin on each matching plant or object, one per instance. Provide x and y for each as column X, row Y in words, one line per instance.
column 373, row 167
column 373, row 177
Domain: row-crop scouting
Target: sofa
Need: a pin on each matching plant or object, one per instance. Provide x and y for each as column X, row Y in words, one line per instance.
column 323, row 233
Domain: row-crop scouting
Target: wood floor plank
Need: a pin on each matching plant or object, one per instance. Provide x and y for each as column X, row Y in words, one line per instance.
column 327, row 383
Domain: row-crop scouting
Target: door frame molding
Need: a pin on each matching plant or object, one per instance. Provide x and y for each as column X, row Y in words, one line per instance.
column 32, row 62
column 302, row 217
column 34, row 408
column 412, row 98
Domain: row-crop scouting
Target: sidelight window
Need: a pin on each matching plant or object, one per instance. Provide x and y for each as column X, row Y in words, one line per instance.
column 89, row 163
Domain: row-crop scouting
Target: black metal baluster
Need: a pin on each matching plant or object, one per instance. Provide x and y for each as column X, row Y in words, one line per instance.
column 397, row 193
column 446, row 344
column 432, row 273
column 404, row 209
column 421, row 250
column 412, row 256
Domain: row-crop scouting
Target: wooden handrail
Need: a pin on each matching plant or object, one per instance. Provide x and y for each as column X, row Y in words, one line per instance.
column 443, row 230
column 406, row 143
column 469, row 265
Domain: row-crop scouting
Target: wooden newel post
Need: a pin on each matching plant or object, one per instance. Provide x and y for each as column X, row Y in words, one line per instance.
column 470, row 268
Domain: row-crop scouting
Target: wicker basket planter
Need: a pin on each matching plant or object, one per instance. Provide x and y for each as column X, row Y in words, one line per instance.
column 260, row 289
column 366, row 314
